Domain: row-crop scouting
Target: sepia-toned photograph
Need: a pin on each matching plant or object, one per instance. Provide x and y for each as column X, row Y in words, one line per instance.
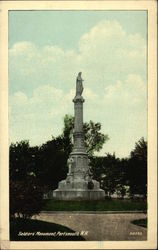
column 78, row 126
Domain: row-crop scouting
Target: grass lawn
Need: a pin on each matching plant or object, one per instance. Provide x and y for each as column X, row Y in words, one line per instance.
column 38, row 229
column 141, row 222
column 106, row 205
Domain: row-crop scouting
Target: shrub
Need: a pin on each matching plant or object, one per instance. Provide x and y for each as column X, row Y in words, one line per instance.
column 26, row 198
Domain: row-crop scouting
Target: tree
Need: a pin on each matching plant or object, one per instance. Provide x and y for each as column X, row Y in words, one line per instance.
column 52, row 163
column 109, row 172
column 26, row 197
column 140, row 150
column 48, row 163
column 26, row 193
column 137, row 172
column 94, row 139
column 123, row 183
column 21, row 160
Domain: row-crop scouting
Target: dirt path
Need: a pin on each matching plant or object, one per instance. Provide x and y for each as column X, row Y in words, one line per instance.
column 100, row 227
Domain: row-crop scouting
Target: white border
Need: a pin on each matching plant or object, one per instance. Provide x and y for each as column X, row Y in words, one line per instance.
column 151, row 7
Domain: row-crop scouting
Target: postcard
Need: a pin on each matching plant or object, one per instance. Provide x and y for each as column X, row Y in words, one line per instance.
column 78, row 125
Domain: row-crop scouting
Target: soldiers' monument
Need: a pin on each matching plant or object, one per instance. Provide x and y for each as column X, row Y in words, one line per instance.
column 79, row 184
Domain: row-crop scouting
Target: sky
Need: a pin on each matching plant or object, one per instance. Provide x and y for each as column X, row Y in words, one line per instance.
column 47, row 49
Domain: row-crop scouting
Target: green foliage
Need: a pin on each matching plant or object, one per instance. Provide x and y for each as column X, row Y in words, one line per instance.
column 104, row 205
column 116, row 174
column 52, row 163
column 36, row 170
column 21, row 160
column 110, row 172
column 26, row 198
column 94, row 139
column 26, row 194
column 49, row 161
column 140, row 150
column 137, row 170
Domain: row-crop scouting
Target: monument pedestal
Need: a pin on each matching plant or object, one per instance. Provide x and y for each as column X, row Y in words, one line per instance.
column 78, row 195
column 78, row 188
column 79, row 184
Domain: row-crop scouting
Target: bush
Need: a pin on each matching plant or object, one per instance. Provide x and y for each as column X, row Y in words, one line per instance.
column 26, row 198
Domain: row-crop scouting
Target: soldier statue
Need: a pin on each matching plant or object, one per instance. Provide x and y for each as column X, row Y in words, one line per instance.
column 79, row 85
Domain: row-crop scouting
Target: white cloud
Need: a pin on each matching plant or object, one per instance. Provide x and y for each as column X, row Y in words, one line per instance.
column 101, row 33
column 39, row 116
column 114, row 69
column 89, row 94
column 106, row 53
column 106, row 46
column 21, row 48
column 125, row 113
column 131, row 92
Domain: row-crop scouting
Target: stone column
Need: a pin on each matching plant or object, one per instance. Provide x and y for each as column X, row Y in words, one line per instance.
column 79, row 155
column 78, row 134
column 76, row 185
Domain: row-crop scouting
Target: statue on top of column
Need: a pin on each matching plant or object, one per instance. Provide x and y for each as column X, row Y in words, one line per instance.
column 79, row 85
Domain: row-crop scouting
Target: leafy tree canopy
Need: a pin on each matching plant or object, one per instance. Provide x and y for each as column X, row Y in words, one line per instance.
column 140, row 150
column 21, row 160
column 94, row 139
column 137, row 170
column 26, row 197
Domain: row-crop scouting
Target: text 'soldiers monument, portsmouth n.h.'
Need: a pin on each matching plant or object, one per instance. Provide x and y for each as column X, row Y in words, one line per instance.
column 78, row 184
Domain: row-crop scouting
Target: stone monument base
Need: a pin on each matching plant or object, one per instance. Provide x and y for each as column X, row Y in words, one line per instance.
column 79, row 195
column 78, row 190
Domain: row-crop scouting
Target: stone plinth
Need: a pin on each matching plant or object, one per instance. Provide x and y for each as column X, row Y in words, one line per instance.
column 77, row 195
column 79, row 184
